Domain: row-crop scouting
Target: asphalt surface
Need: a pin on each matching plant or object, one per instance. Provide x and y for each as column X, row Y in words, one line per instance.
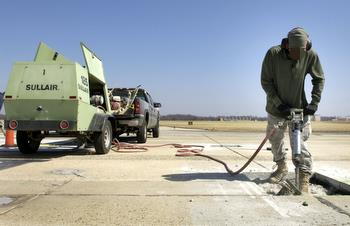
column 63, row 186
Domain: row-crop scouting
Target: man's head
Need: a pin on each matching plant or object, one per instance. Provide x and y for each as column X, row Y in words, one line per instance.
column 298, row 43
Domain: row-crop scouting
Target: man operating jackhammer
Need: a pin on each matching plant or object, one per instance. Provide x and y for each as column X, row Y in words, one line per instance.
column 282, row 77
column 1, row 121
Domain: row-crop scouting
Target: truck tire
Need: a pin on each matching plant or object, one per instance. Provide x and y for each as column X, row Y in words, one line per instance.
column 103, row 139
column 155, row 130
column 142, row 133
column 26, row 144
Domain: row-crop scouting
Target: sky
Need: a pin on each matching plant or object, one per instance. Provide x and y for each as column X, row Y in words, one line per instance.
column 200, row 57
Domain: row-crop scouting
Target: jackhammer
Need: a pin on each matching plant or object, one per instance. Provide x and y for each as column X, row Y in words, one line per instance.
column 296, row 119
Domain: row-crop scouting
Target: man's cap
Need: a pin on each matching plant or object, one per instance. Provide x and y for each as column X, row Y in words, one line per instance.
column 297, row 38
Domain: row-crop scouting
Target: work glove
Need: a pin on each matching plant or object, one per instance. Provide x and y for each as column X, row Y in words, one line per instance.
column 284, row 109
column 310, row 109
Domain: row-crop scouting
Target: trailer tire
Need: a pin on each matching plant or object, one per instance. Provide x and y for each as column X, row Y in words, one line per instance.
column 103, row 139
column 155, row 130
column 26, row 144
column 142, row 133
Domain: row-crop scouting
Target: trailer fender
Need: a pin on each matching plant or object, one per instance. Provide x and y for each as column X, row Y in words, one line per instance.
column 98, row 122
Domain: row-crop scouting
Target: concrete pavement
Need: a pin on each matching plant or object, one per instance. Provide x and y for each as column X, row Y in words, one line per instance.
column 60, row 186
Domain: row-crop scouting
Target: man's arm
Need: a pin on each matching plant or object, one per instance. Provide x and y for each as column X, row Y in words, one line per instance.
column 316, row 72
column 267, row 80
column 1, row 127
column 1, row 99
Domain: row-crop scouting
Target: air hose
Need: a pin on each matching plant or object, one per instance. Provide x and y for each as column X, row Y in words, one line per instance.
column 185, row 153
column 191, row 150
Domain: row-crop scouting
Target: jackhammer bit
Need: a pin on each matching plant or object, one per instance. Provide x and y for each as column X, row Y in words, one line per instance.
column 288, row 188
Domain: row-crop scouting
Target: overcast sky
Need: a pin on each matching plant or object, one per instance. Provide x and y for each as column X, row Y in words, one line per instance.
column 198, row 57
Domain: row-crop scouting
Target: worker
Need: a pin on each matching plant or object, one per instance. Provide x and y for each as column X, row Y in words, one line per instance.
column 1, row 99
column 1, row 121
column 2, row 127
column 283, row 77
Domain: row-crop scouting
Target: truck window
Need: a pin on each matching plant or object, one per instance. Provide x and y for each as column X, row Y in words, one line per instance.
column 121, row 92
column 141, row 95
column 150, row 99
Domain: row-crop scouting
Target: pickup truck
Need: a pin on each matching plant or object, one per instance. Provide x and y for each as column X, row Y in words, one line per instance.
column 140, row 117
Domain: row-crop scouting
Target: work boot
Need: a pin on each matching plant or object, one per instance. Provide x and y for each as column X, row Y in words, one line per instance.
column 304, row 179
column 280, row 173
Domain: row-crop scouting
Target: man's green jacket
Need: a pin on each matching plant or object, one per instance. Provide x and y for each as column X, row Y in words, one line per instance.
column 283, row 79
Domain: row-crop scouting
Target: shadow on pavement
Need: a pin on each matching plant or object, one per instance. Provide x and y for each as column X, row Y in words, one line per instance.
column 6, row 164
column 43, row 153
column 12, row 157
column 56, row 149
column 253, row 177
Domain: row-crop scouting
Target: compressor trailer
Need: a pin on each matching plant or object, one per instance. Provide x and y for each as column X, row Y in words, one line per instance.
column 55, row 97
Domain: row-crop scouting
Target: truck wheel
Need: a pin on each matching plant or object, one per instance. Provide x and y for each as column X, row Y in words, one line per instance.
column 142, row 133
column 155, row 131
column 103, row 139
column 26, row 144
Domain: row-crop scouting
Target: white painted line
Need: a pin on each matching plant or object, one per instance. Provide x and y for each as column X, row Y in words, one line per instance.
column 255, row 190
column 268, row 200
column 222, row 190
column 281, row 212
column 246, row 190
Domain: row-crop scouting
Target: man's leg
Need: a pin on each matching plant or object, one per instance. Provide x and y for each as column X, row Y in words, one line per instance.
column 305, row 162
column 279, row 154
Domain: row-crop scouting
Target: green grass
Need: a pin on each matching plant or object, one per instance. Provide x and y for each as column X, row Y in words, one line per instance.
column 252, row 126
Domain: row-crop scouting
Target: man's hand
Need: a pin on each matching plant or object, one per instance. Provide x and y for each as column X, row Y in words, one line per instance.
column 310, row 109
column 284, row 109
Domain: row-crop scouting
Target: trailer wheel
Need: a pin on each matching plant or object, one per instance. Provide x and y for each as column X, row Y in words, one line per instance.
column 155, row 130
column 103, row 139
column 25, row 142
column 142, row 133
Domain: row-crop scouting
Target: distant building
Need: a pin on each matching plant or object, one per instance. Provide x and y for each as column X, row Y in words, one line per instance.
column 342, row 119
column 316, row 118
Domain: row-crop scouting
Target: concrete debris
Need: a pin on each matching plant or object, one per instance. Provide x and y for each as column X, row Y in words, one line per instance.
column 276, row 189
column 68, row 172
column 5, row 200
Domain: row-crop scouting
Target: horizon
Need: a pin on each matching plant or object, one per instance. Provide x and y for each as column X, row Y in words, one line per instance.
column 217, row 116
column 198, row 56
